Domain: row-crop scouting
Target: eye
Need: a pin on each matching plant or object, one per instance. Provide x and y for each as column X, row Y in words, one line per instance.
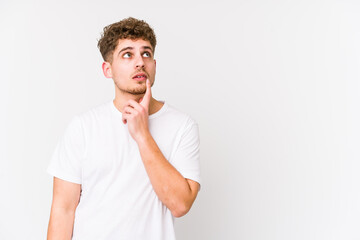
column 146, row 54
column 127, row 55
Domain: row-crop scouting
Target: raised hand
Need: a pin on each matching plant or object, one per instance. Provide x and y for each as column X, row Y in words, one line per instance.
column 136, row 115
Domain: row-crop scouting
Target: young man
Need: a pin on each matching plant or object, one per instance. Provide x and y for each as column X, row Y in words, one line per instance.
column 125, row 169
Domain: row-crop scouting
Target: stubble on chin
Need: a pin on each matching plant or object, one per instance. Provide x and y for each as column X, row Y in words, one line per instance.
column 138, row 90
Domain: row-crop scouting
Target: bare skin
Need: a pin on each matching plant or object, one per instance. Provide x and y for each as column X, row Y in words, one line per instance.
column 66, row 197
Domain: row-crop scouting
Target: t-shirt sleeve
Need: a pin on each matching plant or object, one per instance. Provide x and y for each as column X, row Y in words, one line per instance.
column 187, row 156
column 69, row 152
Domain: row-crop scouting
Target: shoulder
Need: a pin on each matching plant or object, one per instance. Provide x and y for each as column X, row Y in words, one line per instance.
column 96, row 113
column 170, row 115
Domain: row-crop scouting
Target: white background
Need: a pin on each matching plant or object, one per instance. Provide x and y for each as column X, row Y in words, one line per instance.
column 274, row 86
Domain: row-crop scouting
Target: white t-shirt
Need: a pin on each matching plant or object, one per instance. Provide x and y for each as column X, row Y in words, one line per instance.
column 117, row 199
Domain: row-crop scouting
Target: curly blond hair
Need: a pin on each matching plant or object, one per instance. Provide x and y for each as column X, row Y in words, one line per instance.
column 128, row 28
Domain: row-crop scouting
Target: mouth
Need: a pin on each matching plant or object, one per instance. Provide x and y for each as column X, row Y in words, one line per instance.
column 140, row 77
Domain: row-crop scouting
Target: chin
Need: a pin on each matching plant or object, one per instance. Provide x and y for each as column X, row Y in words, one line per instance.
column 140, row 89
column 137, row 91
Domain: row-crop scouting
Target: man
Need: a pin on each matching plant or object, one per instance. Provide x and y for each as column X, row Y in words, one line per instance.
column 125, row 169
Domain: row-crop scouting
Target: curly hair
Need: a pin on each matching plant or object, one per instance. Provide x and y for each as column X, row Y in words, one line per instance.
column 128, row 28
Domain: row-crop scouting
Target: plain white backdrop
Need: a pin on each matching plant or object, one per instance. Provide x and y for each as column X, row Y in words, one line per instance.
column 274, row 86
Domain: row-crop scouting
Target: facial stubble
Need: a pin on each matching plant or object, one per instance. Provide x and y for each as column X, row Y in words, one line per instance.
column 139, row 90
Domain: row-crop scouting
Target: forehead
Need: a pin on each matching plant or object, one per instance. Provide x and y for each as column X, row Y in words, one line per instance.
column 135, row 44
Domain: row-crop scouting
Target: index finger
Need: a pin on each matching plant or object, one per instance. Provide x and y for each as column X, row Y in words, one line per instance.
column 147, row 97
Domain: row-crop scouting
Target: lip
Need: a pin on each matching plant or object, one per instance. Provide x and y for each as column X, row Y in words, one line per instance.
column 143, row 76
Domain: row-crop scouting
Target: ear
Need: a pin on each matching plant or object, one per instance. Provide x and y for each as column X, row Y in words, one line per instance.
column 106, row 67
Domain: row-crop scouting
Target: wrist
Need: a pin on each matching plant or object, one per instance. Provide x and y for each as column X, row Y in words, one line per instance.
column 144, row 138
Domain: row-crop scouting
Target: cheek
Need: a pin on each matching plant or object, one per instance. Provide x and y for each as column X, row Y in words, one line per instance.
column 152, row 69
column 120, row 72
column 152, row 73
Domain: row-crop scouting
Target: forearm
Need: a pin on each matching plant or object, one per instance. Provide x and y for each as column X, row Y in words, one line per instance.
column 169, row 185
column 61, row 224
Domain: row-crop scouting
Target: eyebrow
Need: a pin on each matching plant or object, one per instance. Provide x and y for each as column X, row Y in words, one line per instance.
column 131, row 48
column 147, row 47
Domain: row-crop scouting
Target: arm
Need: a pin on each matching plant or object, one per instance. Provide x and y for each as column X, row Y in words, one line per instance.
column 66, row 197
column 176, row 192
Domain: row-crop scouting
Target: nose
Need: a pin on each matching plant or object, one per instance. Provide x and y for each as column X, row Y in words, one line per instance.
column 139, row 62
